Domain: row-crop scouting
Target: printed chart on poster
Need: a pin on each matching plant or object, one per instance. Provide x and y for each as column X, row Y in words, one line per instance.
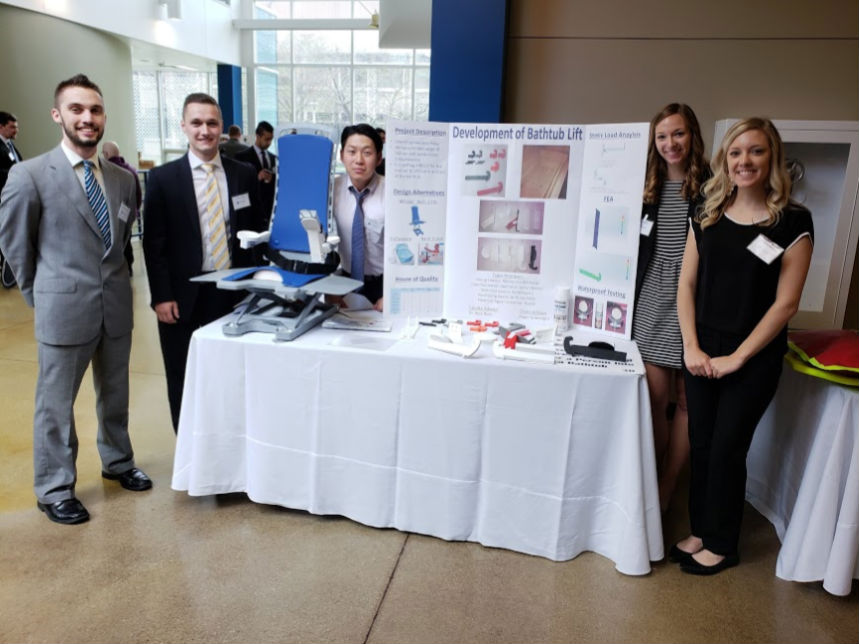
column 608, row 227
column 415, row 212
column 483, row 221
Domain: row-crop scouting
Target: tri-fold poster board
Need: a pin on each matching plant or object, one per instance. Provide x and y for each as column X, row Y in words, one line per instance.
column 486, row 221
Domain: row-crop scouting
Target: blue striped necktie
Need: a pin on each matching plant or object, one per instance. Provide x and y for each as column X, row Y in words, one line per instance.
column 357, row 266
column 97, row 202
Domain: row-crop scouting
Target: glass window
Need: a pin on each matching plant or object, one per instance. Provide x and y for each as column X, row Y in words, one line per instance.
column 272, row 47
column 322, row 47
column 382, row 93
column 422, row 57
column 147, row 129
column 367, row 51
column 422, row 85
column 323, row 94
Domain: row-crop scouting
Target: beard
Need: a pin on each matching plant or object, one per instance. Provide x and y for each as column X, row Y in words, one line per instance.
column 72, row 135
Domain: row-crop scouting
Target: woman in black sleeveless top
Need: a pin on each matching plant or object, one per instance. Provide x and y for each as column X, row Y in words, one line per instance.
column 744, row 267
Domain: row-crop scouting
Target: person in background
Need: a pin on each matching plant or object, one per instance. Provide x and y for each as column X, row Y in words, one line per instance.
column 64, row 220
column 233, row 144
column 265, row 163
column 745, row 263
column 359, row 208
column 194, row 207
column 110, row 151
column 676, row 171
column 9, row 154
column 380, row 170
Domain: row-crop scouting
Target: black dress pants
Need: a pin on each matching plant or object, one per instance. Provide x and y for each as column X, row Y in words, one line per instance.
column 723, row 415
column 210, row 304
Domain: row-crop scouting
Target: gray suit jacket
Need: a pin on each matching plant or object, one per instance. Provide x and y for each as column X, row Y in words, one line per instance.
column 51, row 239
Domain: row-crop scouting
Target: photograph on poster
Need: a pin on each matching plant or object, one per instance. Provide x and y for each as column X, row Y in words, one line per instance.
column 500, row 254
column 403, row 254
column 545, row 169
column 524, row 217
column 604, row 269
column 483, row 170
column 432, row 254
column 583, row 310
column 416, row 222
column 607, row 228
column 615, row 317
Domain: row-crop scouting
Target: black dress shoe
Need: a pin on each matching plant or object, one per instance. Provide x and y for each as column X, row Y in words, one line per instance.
column 676, row 555
column 68, row 511
column 696, row 568
column 133, row 479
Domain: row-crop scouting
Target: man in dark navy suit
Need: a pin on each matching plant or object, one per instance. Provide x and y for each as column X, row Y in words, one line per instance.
column 194, row 207
column 265, row 163
column 9, row 154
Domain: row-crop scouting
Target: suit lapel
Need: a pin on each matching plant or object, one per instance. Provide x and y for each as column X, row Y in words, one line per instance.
column 185, row 188
column 232, row 190
column 66, row 181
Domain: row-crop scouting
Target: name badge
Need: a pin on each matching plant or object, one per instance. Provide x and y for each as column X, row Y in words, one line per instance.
column 646, row 226
column 124, row 211
column 241, row 201
column 765, row 249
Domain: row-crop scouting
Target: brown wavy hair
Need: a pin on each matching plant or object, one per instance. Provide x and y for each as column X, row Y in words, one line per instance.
column 657, row 169
column 719, row 191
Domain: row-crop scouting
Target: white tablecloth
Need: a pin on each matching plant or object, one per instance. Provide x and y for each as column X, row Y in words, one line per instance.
column 804, row 477
column 541, row 459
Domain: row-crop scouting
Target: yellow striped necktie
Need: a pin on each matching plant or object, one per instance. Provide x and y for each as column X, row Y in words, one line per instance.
column 216, row 231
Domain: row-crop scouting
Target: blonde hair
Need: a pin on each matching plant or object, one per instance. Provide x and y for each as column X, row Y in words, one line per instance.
column 657, row 168
column 719, row 192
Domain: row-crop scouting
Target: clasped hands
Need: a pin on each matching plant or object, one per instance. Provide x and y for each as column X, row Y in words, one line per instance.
column 700, row 364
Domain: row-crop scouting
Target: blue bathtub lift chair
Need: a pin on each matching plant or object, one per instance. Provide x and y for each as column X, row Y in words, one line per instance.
column 286, row 297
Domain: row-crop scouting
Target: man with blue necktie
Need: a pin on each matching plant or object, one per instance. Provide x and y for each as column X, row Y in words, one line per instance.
column 359, row 208
column 64, row 220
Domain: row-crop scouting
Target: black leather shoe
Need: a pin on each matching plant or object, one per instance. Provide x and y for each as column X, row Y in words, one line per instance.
column 676, row 555
column 695, row 568
column 68, row 511
column 133, row 479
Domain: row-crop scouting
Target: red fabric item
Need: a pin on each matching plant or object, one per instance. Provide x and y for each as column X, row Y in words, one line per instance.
column 834, row 350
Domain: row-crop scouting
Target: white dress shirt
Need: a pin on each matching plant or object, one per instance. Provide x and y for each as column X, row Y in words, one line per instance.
column 199, row 175
column 374, row 223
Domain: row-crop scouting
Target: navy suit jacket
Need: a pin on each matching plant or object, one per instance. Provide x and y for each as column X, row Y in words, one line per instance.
column 266, row 190
column 172, row 243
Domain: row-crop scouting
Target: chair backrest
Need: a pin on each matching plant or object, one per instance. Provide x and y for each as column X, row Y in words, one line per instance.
column 304, row 182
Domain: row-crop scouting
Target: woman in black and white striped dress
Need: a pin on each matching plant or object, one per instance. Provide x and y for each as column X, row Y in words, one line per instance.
column 676, row 170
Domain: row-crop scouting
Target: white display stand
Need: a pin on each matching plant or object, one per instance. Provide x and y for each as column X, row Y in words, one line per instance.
column 829, row 151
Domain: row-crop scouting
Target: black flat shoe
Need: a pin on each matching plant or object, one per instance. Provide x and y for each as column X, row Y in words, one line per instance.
column 133, row 479
column 67, row 511
column 676, row 555
column 696, row 568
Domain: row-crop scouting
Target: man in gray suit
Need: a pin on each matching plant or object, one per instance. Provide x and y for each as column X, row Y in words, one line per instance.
column 64, row 220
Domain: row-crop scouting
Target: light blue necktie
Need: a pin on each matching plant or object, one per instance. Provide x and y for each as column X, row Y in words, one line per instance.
column 357, row 267
column 97, row 202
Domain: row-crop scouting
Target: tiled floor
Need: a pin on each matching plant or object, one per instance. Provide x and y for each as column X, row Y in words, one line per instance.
column 161, row 566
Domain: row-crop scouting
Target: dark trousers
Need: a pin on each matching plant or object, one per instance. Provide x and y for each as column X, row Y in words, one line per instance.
column 374, row 287
column 723, row 415
column 211, row 303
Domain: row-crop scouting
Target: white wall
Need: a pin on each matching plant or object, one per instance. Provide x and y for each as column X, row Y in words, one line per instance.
column 40, row 51
column 205, row 28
